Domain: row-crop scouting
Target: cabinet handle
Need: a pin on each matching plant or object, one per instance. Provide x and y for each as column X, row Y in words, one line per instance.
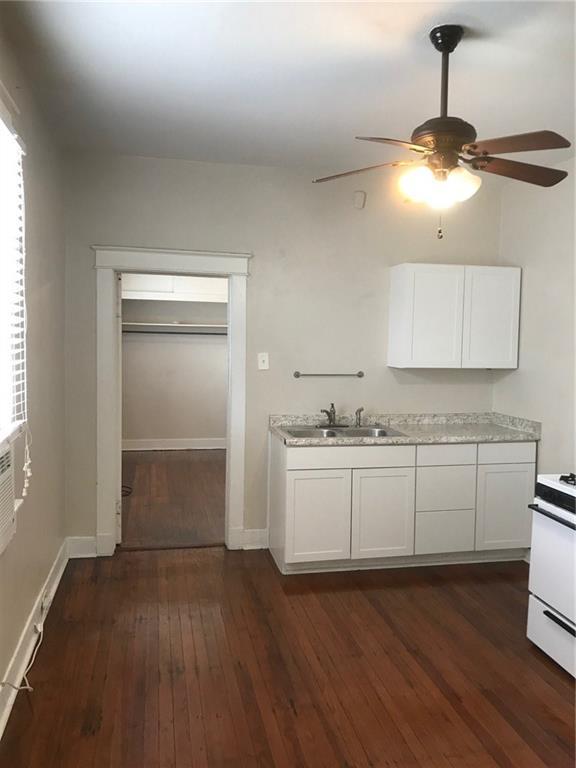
column 556, row 620
column 556, row 519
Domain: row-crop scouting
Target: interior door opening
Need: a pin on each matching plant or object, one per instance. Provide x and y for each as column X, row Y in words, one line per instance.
column 174, row 384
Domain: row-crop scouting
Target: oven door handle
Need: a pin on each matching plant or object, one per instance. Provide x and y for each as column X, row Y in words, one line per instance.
column 556, row 519
column 566, row 627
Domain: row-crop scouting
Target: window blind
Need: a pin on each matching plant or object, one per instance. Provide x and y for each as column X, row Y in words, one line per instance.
column 12, row 300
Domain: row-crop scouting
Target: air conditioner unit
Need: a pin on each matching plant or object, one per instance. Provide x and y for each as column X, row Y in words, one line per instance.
column 7, row 505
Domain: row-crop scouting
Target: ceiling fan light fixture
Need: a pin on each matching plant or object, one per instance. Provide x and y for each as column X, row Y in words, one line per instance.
column 463, row 184
column 421, row 185
column 416, row 184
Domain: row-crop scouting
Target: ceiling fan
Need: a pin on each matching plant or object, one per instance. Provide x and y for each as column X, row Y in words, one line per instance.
column 447, row 146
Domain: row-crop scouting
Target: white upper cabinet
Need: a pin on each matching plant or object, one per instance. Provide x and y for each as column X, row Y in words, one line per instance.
column 491, row 312
column 174, row 288
column 453, row 316
column 426, row 304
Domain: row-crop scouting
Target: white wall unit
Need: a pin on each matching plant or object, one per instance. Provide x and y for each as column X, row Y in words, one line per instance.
column 491, row 317
column 453, row 316
column 318, row 515
column 503, row 520
column 382, row 512
column 445, row 488
column 426, row 303
column 444, row 531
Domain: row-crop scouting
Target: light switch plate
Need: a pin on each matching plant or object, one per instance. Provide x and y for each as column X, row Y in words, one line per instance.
column 263, row 361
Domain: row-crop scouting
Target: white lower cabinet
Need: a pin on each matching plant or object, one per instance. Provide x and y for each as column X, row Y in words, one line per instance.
column 318, row 515
column 382, row 512
column 439, row 499
column 503, row 520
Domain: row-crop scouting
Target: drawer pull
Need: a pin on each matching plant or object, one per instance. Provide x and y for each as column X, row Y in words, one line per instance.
column 556, row 519
column 556, row 620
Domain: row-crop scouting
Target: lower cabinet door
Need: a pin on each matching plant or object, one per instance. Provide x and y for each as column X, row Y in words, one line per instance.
column 449, row 530
column 318, row 503
column 383, row 512
column 503, row 520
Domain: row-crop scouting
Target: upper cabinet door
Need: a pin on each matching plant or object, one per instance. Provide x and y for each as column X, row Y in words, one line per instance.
column 426, row 305
column 491, row 316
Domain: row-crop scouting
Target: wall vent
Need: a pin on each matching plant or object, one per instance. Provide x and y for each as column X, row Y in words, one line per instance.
column 7, row 508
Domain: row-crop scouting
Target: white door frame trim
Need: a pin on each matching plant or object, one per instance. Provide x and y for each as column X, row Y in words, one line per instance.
column 109, row 262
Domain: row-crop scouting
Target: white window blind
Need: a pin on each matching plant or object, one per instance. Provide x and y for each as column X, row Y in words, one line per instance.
column 12, row 302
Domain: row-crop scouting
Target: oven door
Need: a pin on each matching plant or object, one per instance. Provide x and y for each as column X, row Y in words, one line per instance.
column 552, row 559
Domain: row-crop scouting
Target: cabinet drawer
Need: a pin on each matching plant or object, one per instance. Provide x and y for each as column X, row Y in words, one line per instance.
column 506, row 453
column 436, row 455
column 444, row 488
column 552, row 633
column 444, row 531
column 353, row 456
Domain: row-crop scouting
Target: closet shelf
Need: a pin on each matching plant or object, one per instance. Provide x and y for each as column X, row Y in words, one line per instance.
column 183, row 329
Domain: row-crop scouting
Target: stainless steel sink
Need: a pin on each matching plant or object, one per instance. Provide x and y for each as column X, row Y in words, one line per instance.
column 312, row 432
column 342, row 431
column 372, row 432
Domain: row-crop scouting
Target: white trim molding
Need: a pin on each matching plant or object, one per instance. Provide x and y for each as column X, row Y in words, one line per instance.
column 111, row 261
column 81, row 546
column 248, row 538
column 174, row 444
column 29, row 637
column 171, row 262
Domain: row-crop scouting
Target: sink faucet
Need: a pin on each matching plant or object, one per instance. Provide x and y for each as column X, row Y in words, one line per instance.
column 331, row 414
column 359, row 416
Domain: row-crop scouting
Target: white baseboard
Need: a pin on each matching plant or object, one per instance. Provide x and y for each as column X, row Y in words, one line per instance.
column 105, row 544
column 248, row 538
column 255, row 538
column 176, row 444
column 28, row 637
column 81, row 546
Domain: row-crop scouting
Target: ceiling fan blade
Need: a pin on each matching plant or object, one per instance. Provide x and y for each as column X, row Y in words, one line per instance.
column 395, row 142
column 533, row 174
column 521, row 142
column 362, row 170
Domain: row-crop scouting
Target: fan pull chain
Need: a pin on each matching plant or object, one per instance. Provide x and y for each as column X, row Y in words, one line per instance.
column 440, row 231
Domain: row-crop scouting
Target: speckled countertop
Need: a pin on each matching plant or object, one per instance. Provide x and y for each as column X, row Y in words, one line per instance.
column 416, row 428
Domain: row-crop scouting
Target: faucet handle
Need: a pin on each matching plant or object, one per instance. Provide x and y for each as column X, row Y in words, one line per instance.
column 359, row 415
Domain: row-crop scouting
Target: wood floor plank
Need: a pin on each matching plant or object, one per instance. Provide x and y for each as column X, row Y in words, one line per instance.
column 203, row 658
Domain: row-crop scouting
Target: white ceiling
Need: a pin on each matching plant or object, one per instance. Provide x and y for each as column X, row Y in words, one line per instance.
column 290, row 83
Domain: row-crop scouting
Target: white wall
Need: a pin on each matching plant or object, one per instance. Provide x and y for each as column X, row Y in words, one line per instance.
column 317, row 295
column 174, row 387
column 538, row 235
column 25, row 564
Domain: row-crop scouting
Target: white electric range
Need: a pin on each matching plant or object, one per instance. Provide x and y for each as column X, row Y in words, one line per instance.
column 552, row 583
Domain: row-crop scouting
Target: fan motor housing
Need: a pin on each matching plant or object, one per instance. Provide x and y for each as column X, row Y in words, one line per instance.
column 444, row 134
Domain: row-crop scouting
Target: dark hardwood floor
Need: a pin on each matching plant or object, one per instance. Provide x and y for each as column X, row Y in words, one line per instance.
column 177, row 499
column 211, row 658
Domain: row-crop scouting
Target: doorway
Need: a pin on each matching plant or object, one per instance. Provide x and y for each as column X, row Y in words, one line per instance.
column 174, row 393
column 110, row 262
